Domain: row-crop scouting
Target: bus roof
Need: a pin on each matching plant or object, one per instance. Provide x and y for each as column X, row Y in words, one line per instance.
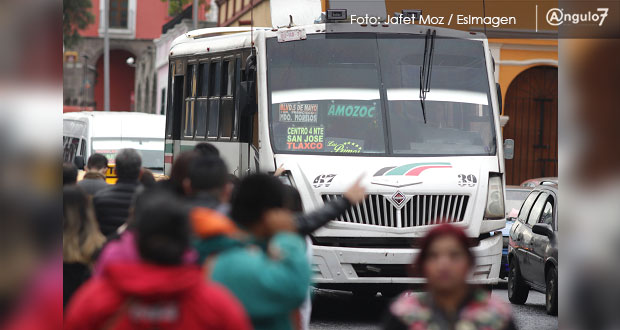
column 221, row 39
column 121, row 124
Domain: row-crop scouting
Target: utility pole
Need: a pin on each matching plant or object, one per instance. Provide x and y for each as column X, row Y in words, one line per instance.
column 84, row 79
column 195, row 16
column 106, row 57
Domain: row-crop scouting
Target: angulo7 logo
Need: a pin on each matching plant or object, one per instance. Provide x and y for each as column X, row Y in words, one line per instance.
column 557, row 16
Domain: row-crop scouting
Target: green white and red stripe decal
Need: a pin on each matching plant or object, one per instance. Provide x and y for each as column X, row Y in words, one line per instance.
column 411, row 169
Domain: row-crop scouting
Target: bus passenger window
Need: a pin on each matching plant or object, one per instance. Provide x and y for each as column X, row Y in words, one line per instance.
column 201, row 118
column 70, row 146
column 82, row 148
column 227, row 105
column 168, row 96
column 189, row 118
column 214, row 112
column 203, row 79
column 162, row 109
column 173, row 115
column 214, row 82
column 235, row 112
column 190, row 91
column 228, row 80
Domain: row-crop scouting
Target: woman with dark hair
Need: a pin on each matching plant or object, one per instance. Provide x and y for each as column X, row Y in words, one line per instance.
column 449, row 303
column 147, row 179
column 178, row 173
column 81, row 239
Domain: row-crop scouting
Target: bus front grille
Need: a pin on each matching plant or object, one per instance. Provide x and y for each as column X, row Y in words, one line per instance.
column 416, row 210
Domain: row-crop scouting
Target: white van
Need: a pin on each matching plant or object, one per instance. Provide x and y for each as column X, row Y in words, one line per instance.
column 334, row 101
column 85, row 133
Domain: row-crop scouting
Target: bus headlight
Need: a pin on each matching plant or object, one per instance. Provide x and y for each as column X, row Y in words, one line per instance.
column 495, row 198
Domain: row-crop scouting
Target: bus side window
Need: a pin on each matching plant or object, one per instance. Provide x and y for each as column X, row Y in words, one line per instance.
column 235, row 113
column 190, row 98
column 214, row 84
column 227, row 105
column 215, row 80
column 70, row 148
column 175, row 100
column 162, row 108
column 65, row 149
column 202, row 100
column 82, row 148
column 169, row 120
column 248, row 125
column 255, row 130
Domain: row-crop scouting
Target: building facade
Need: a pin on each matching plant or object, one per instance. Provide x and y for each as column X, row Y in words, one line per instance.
column 133, row 25
column 240, row 12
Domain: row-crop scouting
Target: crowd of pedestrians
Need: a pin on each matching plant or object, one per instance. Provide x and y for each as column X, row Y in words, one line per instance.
column 207, row 250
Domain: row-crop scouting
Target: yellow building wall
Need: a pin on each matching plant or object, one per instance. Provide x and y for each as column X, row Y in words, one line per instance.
column 262, row 15
column 522, row 50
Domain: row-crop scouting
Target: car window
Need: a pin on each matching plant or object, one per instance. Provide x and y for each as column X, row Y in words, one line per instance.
column 70, row 148
column 547, row 213
column 537, row 209
column 514, row 200
column 527, row 205
column 517, row 194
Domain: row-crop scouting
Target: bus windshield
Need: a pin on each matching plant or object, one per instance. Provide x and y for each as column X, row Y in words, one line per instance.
column 360, row 94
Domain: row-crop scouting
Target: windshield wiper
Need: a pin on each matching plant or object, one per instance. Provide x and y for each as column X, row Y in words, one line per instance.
column 425, row 70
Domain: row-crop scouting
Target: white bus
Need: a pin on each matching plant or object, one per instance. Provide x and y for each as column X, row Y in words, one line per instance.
column 89, row 132
column 414, row 108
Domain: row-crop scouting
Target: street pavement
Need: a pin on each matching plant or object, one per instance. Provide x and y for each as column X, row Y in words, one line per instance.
column 341, row 310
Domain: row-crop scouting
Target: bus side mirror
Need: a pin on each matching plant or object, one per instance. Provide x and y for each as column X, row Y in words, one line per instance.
column 509, row 148
column 499, row 97
column 78, row 161
column 247, row 95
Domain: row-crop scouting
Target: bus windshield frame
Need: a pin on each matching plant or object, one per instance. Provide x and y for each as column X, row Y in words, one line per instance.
column 365, row 86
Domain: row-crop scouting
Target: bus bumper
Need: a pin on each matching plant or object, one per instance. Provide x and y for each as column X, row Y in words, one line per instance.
column 342, row 265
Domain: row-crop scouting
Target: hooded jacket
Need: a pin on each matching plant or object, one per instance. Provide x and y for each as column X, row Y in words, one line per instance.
column 146, row 296
column 270, row 281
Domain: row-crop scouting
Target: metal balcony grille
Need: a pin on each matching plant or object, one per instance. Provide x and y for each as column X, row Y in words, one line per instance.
column 418, row 210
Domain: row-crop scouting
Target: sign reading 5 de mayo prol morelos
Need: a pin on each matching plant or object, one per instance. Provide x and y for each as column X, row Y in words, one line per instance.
column 298, row 113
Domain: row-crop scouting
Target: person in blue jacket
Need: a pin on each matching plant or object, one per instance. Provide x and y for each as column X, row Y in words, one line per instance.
column 264, row 262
